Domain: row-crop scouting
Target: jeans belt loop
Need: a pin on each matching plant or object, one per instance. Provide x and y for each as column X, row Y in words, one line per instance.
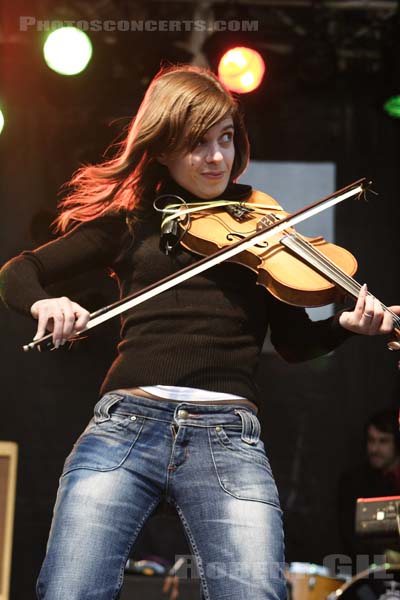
column 101, row 410
column 250, row 426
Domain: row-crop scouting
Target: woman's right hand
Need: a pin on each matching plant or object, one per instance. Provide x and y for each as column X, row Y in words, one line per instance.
column 61, row 316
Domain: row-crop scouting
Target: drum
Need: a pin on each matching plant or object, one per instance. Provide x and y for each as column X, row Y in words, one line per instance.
column 307, row 581
column 379, row 582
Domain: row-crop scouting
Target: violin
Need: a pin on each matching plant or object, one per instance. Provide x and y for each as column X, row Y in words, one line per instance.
column 297, row 270
column 258, row 234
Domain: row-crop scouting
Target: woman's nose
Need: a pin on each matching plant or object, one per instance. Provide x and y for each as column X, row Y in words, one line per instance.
column 214, row 153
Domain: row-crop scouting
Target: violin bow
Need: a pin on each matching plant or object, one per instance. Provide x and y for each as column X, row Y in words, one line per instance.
column 358, row 188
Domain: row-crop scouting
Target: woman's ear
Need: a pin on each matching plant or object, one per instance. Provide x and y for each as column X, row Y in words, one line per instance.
column 162, row 159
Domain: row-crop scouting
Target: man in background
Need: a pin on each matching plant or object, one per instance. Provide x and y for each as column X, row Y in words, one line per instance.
column 378, row 476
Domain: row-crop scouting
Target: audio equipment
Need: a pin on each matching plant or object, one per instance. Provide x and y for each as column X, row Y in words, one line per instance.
column 8, row 479
column 378, row 517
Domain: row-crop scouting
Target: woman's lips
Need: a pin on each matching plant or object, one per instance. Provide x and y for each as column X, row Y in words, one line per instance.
column 213, row 174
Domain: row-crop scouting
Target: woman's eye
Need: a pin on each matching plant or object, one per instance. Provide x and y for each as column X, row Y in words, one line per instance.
column 227, row 137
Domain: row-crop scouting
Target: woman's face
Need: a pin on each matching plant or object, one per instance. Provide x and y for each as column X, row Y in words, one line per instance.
column 205, row 170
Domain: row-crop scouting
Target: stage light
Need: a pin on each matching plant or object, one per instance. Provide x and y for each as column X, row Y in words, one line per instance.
column 67, row 50
column 392, row 107
column 1, row 120
column 390, row 52
column 241, row 69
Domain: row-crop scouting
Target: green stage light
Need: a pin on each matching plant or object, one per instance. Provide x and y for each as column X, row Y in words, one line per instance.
column 1, row 120
column 67, row 50
column 392, row 107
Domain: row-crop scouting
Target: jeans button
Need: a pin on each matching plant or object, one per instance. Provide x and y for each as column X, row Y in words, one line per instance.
column 133, row 418
column 183, row 414
column 218, row 428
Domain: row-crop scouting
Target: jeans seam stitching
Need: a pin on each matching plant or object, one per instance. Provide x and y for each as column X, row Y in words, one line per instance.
column 169, row 472
column 193, row 544
column 134, row 537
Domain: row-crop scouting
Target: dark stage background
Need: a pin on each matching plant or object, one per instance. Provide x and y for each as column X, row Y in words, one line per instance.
column 312, row 413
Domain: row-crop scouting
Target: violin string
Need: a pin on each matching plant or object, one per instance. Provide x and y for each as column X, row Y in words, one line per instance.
column 352, row 284
column 343, row 276
column 348, row 283
column 338, row 276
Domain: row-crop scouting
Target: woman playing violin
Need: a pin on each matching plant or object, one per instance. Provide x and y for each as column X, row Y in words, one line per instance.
column 176, row 417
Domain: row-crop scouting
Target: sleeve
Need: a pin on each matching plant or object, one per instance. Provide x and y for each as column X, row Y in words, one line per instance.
column 297, row 338
column 92, row 244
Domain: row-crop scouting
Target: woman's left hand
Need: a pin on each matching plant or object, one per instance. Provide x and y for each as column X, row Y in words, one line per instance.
column 368, row 316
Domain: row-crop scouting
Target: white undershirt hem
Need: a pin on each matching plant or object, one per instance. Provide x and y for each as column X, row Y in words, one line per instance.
column 187, row 394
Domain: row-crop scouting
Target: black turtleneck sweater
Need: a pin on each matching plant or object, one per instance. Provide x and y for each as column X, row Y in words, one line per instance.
column 205, row 333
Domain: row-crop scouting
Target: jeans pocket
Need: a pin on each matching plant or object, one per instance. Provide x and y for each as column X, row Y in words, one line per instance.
column 107, row 441
column 108, row 412
column 232, row 440
column 243, row 469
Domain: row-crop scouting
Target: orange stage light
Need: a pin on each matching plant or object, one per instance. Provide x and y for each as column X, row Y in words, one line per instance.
column 241, row 69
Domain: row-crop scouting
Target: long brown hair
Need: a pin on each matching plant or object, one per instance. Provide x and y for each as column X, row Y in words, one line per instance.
column 177, row 96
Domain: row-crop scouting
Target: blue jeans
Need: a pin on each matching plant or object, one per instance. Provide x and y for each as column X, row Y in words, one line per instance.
column 208, row 461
